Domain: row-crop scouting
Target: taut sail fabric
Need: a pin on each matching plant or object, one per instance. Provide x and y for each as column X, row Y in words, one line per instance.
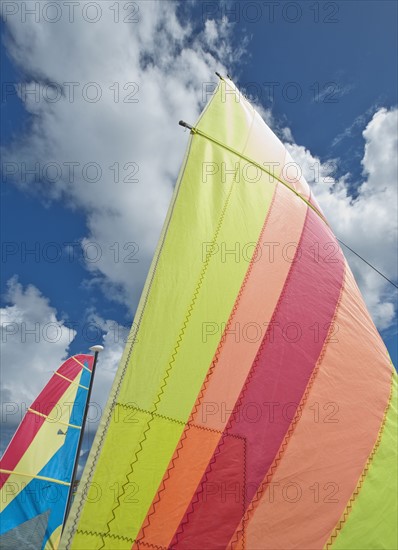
column 254, row 407
column 36, row 468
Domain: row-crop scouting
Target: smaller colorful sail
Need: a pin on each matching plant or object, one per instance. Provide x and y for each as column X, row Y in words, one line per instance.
column 36, row 468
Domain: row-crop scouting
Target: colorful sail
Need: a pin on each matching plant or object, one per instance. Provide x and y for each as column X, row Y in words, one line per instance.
column 36, row 468
column 254, row 405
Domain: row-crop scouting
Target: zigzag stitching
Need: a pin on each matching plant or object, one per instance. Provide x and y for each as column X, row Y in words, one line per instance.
column 231, row 317
column 152, row 413
column 117, row 389
column 149, row 545
column 361, row 480
column 190, row 424
column 199, row 491
column 190, row 510
column 244, row 490
column 260, row 491
column 167, row 474
column 179, row 340
column 206, row 429
column 101, row 535
column 119, row 537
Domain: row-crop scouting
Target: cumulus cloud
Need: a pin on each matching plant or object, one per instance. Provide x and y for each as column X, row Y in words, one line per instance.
column 108, row 99
column 103, row 136
column 368, row 221
column 114, row 338
column 123, row 87
column 35, row 340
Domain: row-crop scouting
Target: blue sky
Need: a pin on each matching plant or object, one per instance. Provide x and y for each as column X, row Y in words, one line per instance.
column 338, row 58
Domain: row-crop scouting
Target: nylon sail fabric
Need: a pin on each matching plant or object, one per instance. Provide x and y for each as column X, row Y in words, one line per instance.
column 36, row 468
column 252, row 406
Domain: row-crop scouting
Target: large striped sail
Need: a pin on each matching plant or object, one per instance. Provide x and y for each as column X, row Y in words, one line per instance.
column 255, row 404
column 37, row 466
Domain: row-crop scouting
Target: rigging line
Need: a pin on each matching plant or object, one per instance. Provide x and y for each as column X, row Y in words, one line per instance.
column 366, row 262
column 194, row 130
column 199, row 132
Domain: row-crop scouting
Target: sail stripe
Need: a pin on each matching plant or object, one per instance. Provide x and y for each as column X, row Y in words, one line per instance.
column 81, row 364
column 157, row 381
column 46, row 401
column 44, row 478
column 354, row 529
column 171, row 375
column 38, row 485
column 46, row 417
column 276, row 381
column 258, row 165
column 70, row 381
column 232, row 362
column 319, row 475
column 46, row 443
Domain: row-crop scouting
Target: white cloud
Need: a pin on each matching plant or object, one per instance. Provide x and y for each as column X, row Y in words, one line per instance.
column 359, row 122
column 167, row 68
column 333, row 91
column 211, row 33
column 156, row 61
column 35, row 341
column 169, row 65
column 368, row 222
column 114, row 340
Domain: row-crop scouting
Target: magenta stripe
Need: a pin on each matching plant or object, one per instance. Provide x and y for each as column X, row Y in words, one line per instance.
column 271, row 393
column 57, row 386
column 44, row 403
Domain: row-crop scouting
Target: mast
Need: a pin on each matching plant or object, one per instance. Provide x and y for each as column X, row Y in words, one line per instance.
column 96, row 349
column 41, row 458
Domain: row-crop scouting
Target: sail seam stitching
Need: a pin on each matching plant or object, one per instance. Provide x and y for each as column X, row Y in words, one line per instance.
column 190, row 422
column 292, row 427
column 119, row 537
column 218, row 450
column 254, row 163
column 180, row 422
column 362, row 477
column 109, row 535
column 76, row 517
column 179, row 339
